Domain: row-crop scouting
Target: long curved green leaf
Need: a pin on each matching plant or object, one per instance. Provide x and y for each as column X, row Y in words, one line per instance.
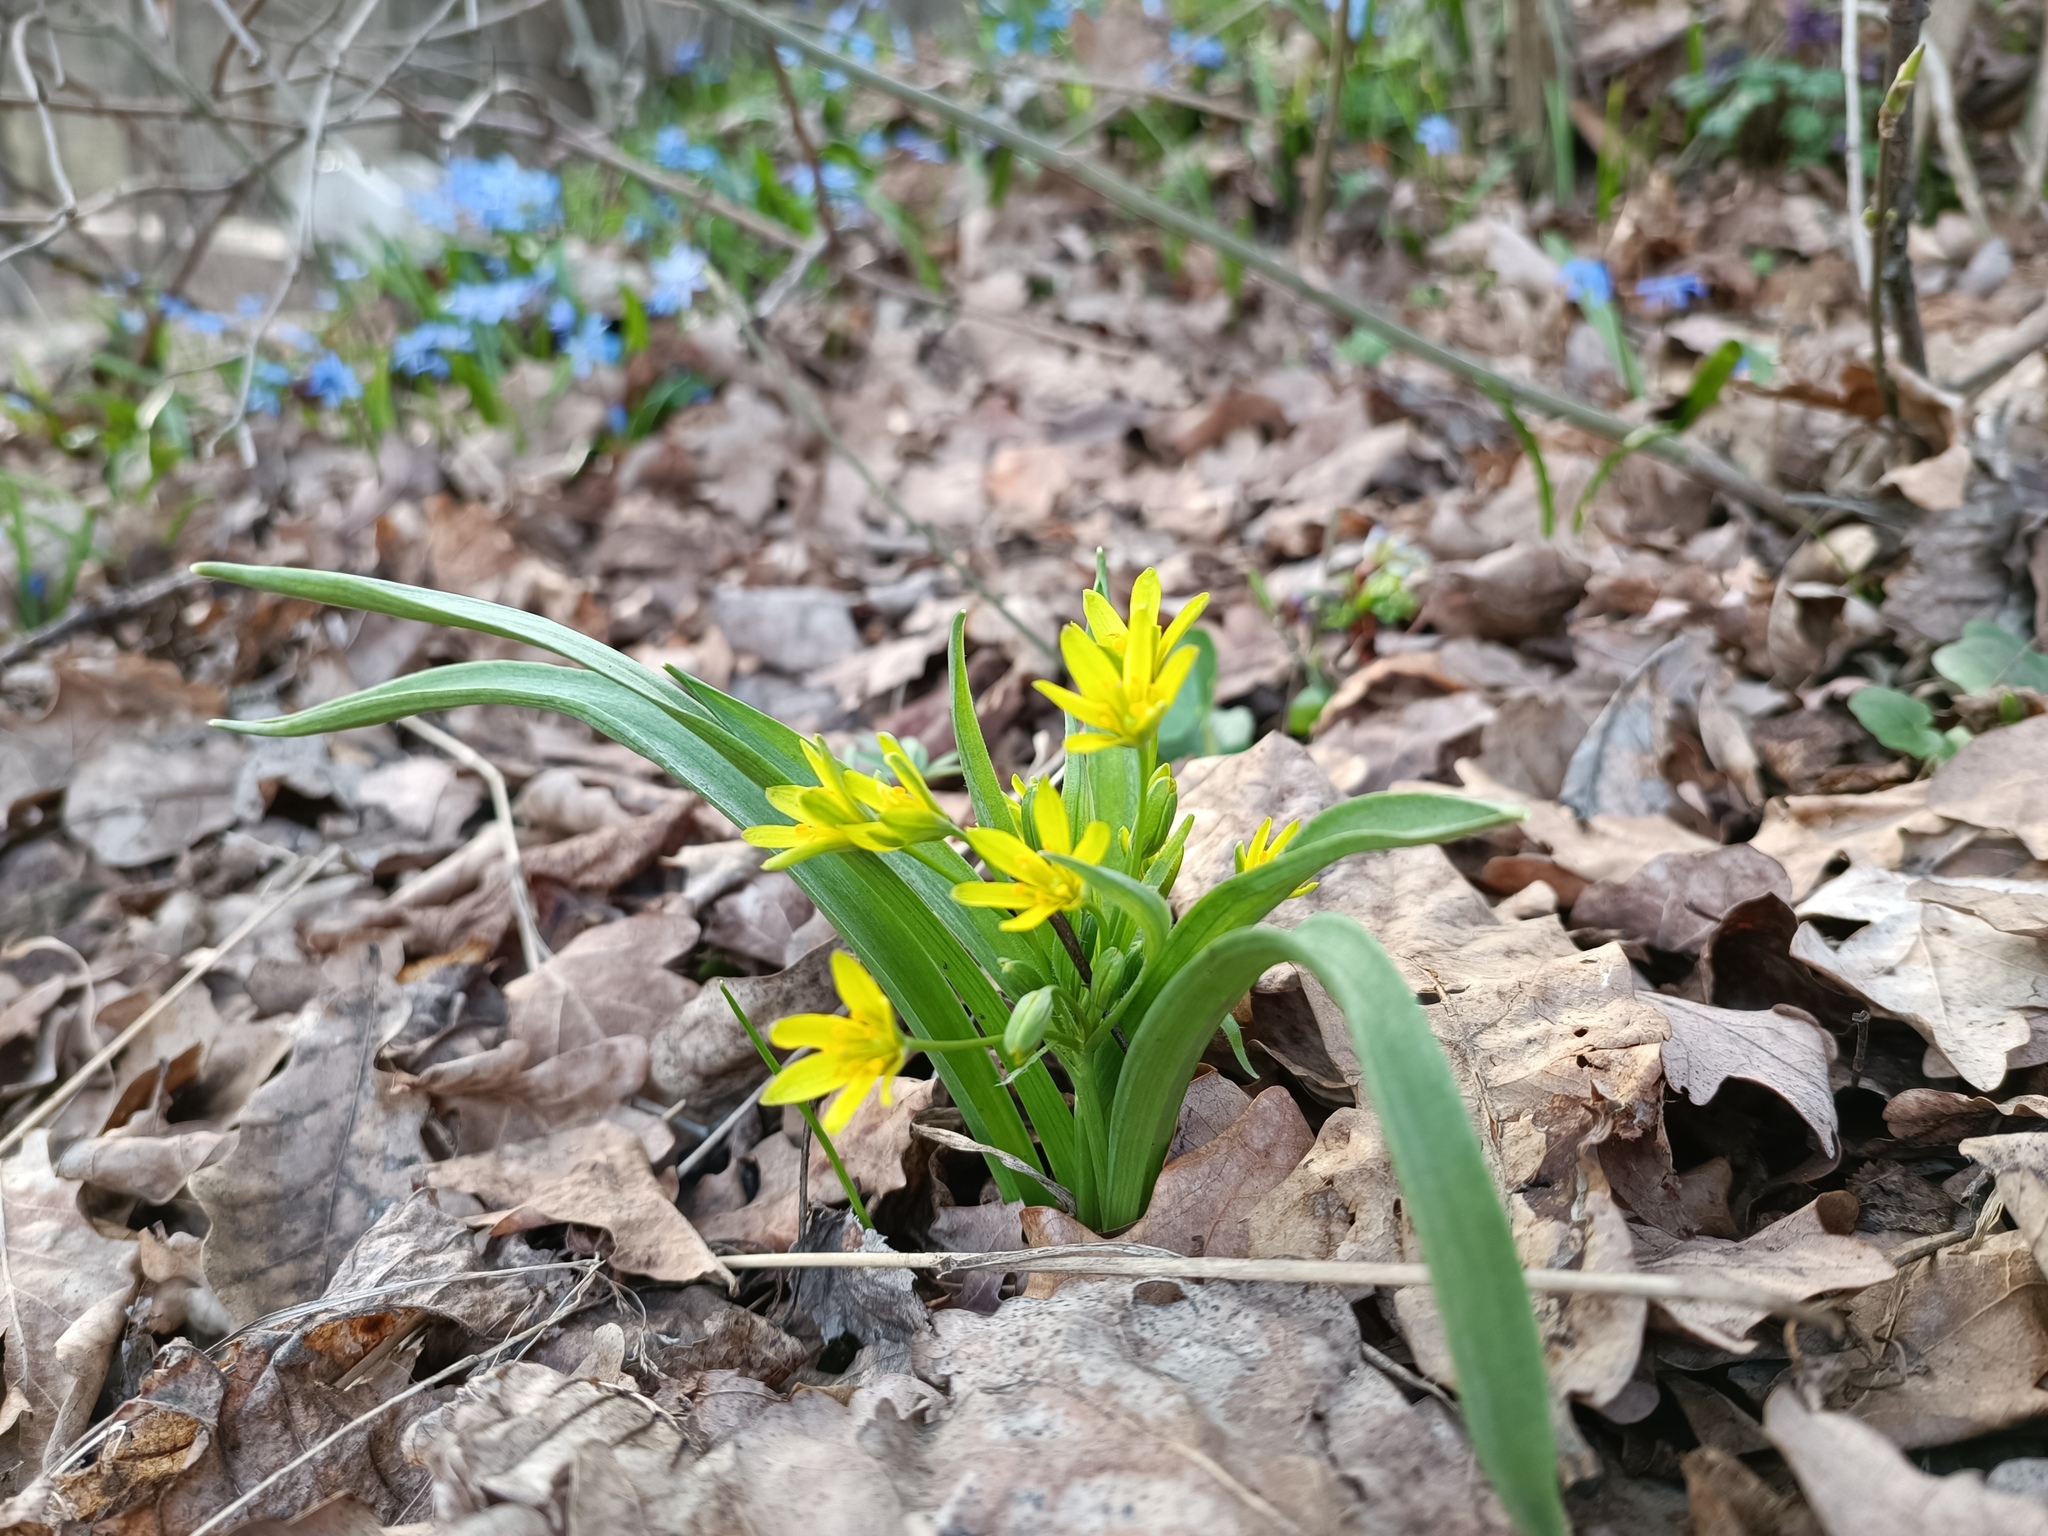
column 984, row 787
column 1392, row 819
column 943, row 992
column 1445, row 1186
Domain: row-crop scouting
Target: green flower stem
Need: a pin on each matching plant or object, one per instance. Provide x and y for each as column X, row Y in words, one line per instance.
column 860, row 1210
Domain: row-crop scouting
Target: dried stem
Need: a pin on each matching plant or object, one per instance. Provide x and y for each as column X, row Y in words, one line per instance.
column 532, row 950
column 1893, row 269
column 810, row 154
column 1339, row 54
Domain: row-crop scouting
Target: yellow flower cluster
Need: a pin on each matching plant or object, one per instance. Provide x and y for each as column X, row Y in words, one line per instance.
column 1264, row 848
column 1126, row 675
column 847, row 809
column 1037, row 887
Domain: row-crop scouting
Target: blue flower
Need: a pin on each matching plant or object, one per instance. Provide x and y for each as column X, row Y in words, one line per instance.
column 831, row 80
column 16, row 401
column 1153, row 8
column 331, row 381
column 1356, row 16
column 561, row 315
column 861, row 48
column 492, row 303
column 346, row 268
column 873, row 144
column 1008, row 34
column 901, row 40
column 591, row 345
column 201, row 322
column 920, row 146
column 842, row 182
column 326, row 300
column 673, row 151
column 422, row 349
column 678, row 278
column 1054, row 18
column 1437, row 135
column 842, row 20
column 499, row 195
column 1201, row 51
column 297, row 337
column 131, row 321
column 264, row 384
column 1586, row 282
column 1674, row 290
column 615, row 419
column 787, row 56
column 250, row 305
column 685, row 58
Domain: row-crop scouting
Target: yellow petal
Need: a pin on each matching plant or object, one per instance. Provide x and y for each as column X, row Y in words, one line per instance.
column 841, row 1109
column 857, row 989
column 817, row 1030
column 1088, row 741
column 1094, row 843
column 1094, row 673
column 1174, row 675
column 1049, row 815
column 987, row 893
column 1145, row 600
column 1183, row 621
column 1104, row 622
column 806, row 1079
column 1024, row 922
column 1004, row 851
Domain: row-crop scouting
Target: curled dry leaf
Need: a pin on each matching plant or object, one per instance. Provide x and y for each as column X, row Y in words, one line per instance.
column 1809, row 833
column 1798, row 1256
column 1340, row 1202
column 1784, row 1049
column 874, row 1142
column 143, row 800
column 62, row 1294
column 2020, row 1164
column 325, row 1146
column 1995, row 782
column 1859, row 1484
column 147, row 1166
column 1674, row 902
column 1952, row 1346
column 1204, row 1199
column 596, row 1176
column 703, row 1055
column 1969, row 989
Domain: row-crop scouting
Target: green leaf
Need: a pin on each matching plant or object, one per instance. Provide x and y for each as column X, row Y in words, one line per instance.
column 1708, row 380
column 1446, row 1189
column 1904, row 723
column 1989, row 657
column 1135, row 899
column 1642, row 437
column 632, row 323
column 1546, row 498
column 984, row 788
column 1306, row 707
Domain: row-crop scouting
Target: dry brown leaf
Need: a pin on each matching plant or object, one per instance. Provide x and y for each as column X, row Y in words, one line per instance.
column 1600, row 848
column 2010, row 906
column 873, row 1144
column 325, row 1146
column 1995, row 782
column 2020, row 1163
column 606, row 858
column 1203, row 1201
column 141, row 800
column 1674, row 902
column 1796, row 1256
column 1859, row 1484
column 705, row 1057
column 61, row 1303
column 1970, row 990
column 1725, row 1498
column 610, row 980
column 1807, row 833
column 769, row 920
column 1935, row 484
column 1341, row 1201
column 596, row 1176
column 143, row 1164
column 1784, row 1049
column 428, row 797
column 99, row 699
column 1212, row 1102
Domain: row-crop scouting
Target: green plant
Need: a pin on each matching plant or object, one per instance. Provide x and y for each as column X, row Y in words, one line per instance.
column 40, row 595
column 1989, row 657
column 1708, row 380
column 1135, row 994
column 1771, row 107
column 1194, row 726
column 1905, row 724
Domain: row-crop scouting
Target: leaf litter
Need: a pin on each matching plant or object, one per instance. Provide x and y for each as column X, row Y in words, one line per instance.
column 1747, row 993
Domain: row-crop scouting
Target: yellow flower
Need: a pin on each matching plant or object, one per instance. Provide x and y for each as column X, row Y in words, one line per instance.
column 846, row 809
column 1040, row 887
column 852, row 1053
column 1264, row 848
column 1109, row 631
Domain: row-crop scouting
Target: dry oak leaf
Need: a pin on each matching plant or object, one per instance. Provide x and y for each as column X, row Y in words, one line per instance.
column 1675, row 902
column 1796, row 1256
column 1859, row 1485
column 1808, row 833
column 1341, row 1201
column 874, row 1142
column 1951, row 1347
column 2020, row 1164
column 1995, row 782
column 609, row 980
column 61, row 1285
column 1203, row 1202
column 1971, row 991
column 597, row 1176
column 2009, row 905
column 1784, row 1049
column 325, row 1147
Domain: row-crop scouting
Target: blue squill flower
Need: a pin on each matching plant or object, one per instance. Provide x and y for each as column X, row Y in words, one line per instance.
column 673, row 151
column 591, row 345
column 265, row 385
column 1586, row 281
column 424, row 348
column 678, row 278
column 920, row 146
column 561, row 315
column 615, row 419
column 492, row 303
column 332, row 382
column 685, row 58
column 1437, row 135
column 346, row 268
column 499, row 195
column 1674, row 290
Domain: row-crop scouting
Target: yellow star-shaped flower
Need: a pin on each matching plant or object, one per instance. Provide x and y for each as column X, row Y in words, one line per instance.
column 846, row 810
column 1264, row 848
column 1109, row 631
column 1126, row 675
column 1037, row 887
column 852, row 1053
